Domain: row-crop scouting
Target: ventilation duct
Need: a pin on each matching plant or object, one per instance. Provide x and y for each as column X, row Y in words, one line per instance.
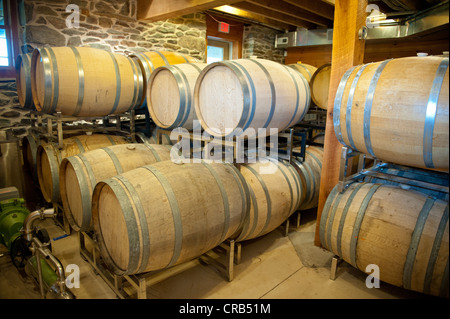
column 426, row 21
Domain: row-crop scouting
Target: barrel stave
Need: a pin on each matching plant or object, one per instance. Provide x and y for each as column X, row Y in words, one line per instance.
column 383, row 111
column 404, row 233
column 83, row 81
column 49, row 157
column 263, row 94
column 80, row 173
column 177, row 212
column 274, row 196
column 170, row 95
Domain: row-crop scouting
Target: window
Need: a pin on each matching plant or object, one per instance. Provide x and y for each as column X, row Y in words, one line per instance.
column 223, row 46
column 8, row 38
column 218, row 50
column 3, row 43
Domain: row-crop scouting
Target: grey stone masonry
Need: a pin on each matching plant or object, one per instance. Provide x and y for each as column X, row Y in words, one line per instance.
column 110, row 25
column 260, row 41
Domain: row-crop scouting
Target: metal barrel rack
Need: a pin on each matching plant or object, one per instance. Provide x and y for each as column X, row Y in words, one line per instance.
column 51, row 126
column 222, row 258
column 55, row 127
column 135, row 286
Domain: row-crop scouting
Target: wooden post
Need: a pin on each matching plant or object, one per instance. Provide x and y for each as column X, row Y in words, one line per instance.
column 348, row 50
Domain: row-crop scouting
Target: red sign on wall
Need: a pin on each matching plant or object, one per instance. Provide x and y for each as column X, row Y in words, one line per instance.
column 224, row 27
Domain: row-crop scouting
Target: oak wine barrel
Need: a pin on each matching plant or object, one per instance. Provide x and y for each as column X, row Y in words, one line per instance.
column 153, row 139
column 151, row 60
column 49, row 157
column 83, row 81
column 30, row 145
column 405, row 233
column 249, row 94
column 320, row 85
column 164, row 214
column 396, row 110
column 310, row 173
column 319, row 138
column 306, row 70
column 79, row 174
column 170, row 93
column 274, row 196
column 23, row 80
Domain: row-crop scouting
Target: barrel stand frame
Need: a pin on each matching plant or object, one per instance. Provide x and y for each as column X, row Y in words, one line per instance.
column 284, row 229
column 140, row 282
column 287, row 223
column 316, row 117
column 374, row 171
column 61, row 219
column 42, row 124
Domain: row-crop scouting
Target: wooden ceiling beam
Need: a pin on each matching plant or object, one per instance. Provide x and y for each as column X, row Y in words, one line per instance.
column 274, row 15
column 321, row 8
column 248, row 17
column 289, row 9
column 155, row 10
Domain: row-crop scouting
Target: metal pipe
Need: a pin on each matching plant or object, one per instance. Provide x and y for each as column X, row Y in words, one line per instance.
column 28, row 224
column 39, row 269
column 40, row 249
column 61, row 275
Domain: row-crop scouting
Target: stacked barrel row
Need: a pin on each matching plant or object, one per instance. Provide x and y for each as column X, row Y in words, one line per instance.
column 235, row 95
column 83, row 81
column 80, row 82
column 245, row 94
column 160, row 215
column 150, row 213
column 319, row 81
column 397, row 111
column 231, row 97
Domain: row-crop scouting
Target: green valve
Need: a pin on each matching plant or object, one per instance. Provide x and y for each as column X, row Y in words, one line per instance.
column 12, row 217
column 49, row 277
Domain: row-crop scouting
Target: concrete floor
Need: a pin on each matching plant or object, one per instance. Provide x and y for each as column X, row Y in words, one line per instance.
column 272, row 266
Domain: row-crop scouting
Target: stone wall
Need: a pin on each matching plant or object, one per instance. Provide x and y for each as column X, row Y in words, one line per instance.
column 111, row 25
column 12, row 115
column 260, row 41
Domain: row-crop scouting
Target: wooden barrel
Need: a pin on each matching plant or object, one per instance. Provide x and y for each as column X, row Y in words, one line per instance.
column 164, row 214
column 170, row 95
column 405, row 233
column 319, row 138
column 151, row 60
column 249, row 94
column 49, row 157
column 305, row 69
column 320, row 85
column 153, row 139
column 30, row 145
column 413, row 175
column 79, row 174
column 83, row 81
column 23, row 80
column 396, row 110
column 275, row 195
column 310, row 173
